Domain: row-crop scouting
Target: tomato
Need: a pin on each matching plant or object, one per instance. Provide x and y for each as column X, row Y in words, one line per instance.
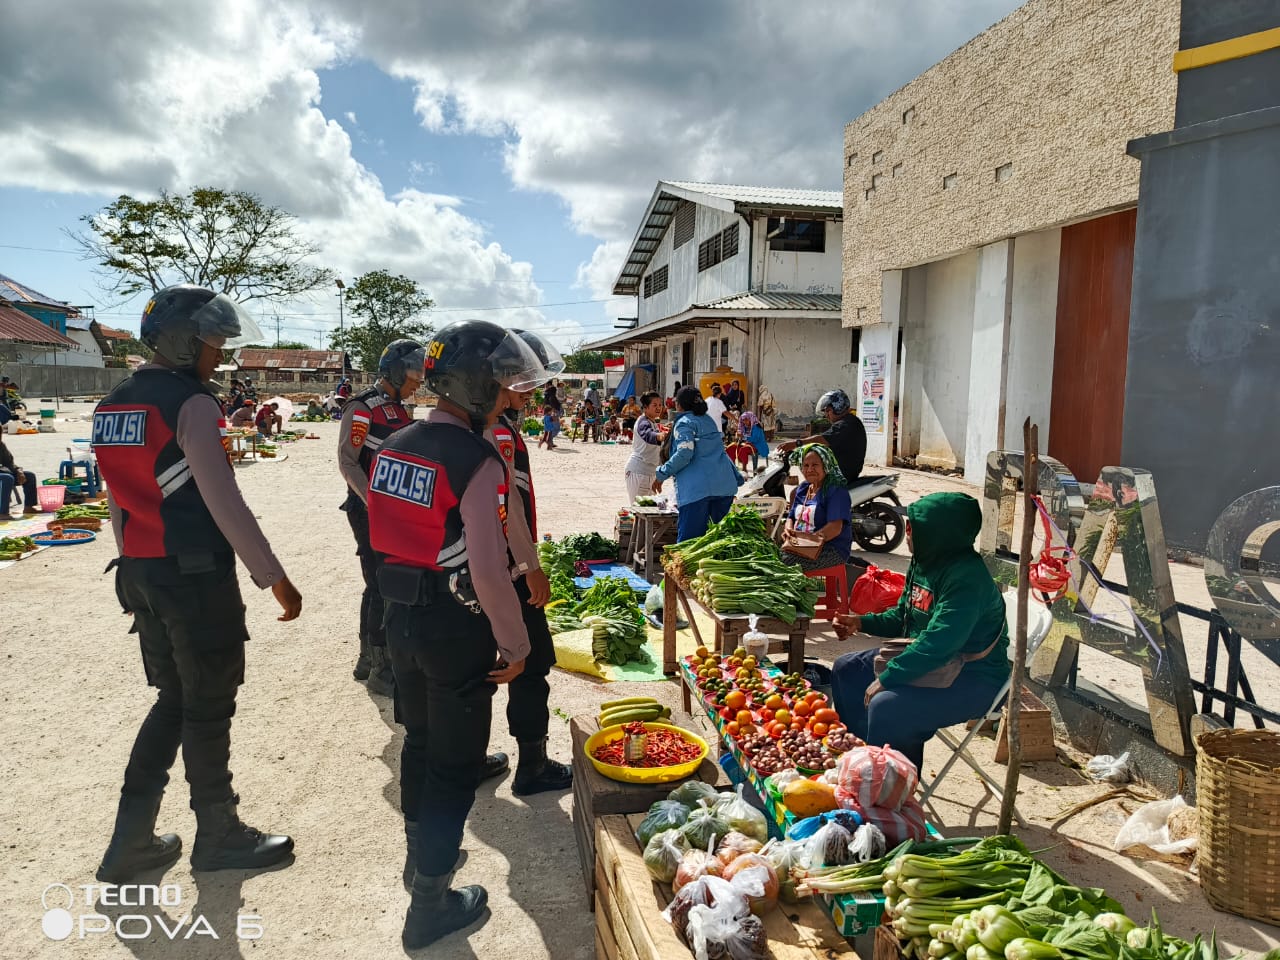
column 775, row 729
column 766, row 715
column 802, row 709
column 731, row 728
column 744, row 718
column 782, row 716
column 726, row 713
column 797, row 726
column 826, row 715
column 735, row 700
column 775, row 702
column 819, row 729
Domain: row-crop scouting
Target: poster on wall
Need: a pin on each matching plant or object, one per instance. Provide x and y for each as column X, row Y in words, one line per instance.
column 871, row 408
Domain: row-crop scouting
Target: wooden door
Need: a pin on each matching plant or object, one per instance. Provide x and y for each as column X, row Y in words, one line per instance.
column 1091, row 344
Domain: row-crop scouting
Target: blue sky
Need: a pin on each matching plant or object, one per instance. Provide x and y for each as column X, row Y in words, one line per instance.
column 499, row 154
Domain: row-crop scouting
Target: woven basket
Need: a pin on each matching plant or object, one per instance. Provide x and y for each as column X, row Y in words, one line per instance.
column 1238, row 798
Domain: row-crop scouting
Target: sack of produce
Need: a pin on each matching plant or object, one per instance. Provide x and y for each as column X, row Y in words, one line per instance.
column 692, row 791
column 904, row 823
column 874, row 777
column 705, row 827
column 875, row 591
column 806, row 828
column 727, row 929
column 785, row 855
column 662, row 815
column 663, row 854
column 868, row 843
column 734, row 845
column 695, row 865
column 829, row 846
column 704, row 892
column 741, row 816
column 753, row 876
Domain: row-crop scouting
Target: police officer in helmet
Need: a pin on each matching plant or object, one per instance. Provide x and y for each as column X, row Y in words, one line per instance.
column 368, row 419
column 846, row 436
column 527, row 715
column 179, row 522
column 438, row 495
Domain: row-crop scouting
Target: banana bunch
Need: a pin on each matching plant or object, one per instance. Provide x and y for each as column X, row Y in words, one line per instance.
column 630, row 709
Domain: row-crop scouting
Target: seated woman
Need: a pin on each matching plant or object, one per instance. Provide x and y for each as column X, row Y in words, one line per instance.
column 612, row 429
column 590, row 422
column 630, row 414
column 954, row 616
column 821, row 506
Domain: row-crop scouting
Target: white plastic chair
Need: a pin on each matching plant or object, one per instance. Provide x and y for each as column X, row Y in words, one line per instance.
column 772, row 510
column 1039, row 620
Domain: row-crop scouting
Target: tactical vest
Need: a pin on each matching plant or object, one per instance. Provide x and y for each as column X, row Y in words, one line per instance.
column 415, row 492
column 135, row 439
column 384, row 418
column 505, row 432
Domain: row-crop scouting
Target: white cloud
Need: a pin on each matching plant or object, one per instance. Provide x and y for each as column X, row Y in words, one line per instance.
column 351, row 118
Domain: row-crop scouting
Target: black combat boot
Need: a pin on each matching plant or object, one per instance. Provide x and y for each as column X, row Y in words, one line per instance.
column 435, row 910
column 495, row 765
column 223, row 842
column 537, row 773
column 410, row 852
column 134, row 845
column 381, row 681
column 361, row 672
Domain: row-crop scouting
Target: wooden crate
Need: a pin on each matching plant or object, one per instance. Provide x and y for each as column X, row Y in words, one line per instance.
column 595, row 795
column 1035, row 728
column 885, row 945
column 629, row 905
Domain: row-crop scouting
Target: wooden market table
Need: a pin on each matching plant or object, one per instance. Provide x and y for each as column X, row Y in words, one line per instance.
column 629, row 905
column 729, row 628
column 654, row 529
column 595, row 795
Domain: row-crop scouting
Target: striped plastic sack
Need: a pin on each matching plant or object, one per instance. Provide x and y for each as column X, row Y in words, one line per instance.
column 905, row 823
column 870, row 776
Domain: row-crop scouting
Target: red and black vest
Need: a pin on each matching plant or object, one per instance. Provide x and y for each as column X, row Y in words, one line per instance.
column 415, row 493
column 384, row 418
column 135, row 439
column 519, row 462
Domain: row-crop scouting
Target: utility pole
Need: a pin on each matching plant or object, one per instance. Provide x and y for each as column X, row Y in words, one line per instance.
column 342, row 287
column 277, row 331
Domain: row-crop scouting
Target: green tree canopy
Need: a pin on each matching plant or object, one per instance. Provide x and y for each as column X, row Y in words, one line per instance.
column 229, row 241
column 578, row 360
column 383, row 308
column 282, row 345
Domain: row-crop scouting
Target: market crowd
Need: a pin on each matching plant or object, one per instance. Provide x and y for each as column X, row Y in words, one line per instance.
column 453, row 599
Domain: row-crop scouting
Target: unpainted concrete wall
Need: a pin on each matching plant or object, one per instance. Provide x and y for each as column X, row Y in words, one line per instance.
column 1055, row 90
column 799, row 361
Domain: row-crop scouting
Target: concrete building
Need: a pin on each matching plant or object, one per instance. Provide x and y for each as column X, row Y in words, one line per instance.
column 60, row 317
column 732, row 279
column 989, row 235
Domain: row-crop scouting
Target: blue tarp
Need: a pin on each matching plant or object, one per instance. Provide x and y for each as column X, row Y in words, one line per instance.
column 628, row 385
column 638, row 583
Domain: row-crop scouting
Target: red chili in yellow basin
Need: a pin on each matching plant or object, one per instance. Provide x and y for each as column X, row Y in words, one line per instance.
column 662, row 748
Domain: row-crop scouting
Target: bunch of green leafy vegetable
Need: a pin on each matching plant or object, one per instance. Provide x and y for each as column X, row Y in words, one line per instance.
column 609, row 607
column 741, row 535
column 589, row 546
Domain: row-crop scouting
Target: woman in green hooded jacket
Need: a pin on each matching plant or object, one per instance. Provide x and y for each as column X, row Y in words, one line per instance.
column 950, row 610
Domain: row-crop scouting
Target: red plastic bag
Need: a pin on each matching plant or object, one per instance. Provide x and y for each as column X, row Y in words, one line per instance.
column 905, row 823
column 876, row 591
column 868, row 777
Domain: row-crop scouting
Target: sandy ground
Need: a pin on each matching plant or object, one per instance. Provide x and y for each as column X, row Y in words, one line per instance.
column 315, row 755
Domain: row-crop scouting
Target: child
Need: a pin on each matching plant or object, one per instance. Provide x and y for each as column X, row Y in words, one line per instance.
column 550, row 426
column 612, row 428
column 590, row 422
column 752, row 433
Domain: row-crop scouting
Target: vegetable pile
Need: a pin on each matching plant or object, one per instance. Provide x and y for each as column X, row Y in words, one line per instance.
column 662, row 748
column 609, row 608
column 11, row 548
column 83, row 511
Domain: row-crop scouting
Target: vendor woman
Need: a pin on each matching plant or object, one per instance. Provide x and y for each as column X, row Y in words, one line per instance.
column 954, row 617
column 821, row 507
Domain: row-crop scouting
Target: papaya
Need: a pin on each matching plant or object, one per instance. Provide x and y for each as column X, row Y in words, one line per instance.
column 808, row 798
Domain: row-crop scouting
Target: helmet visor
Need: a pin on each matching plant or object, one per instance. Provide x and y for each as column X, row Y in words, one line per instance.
column 516, row 366
column 225, row 324
column 550, row 357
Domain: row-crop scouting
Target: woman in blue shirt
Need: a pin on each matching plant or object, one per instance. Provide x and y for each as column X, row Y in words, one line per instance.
column 821, row 506
column 705, row 478
column 752, row 432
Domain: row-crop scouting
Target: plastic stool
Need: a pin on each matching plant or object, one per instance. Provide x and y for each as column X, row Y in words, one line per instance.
column 836, row 598
column 93, row 479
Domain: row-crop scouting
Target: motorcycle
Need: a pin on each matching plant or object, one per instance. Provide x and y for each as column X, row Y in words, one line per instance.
column 878, row 524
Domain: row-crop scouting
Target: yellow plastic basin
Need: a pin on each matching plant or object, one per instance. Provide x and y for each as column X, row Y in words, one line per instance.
column 644, row 774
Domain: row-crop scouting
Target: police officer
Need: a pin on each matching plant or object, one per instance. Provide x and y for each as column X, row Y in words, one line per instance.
column 527, row 715
column 179, row 522
column 368, row 419
column 437, row 510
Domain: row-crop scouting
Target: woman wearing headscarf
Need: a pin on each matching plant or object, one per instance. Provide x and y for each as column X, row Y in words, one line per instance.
column 751, row 432
column 821, row 507
column 706, row 479
column 768, row 412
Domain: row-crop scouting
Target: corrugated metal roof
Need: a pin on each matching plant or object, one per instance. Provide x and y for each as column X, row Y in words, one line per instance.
column 766, row 196
column 17, row 327
column 729, row 197
column 113, row 334
column 256, row 359
column 777, row 301
column 11, row 289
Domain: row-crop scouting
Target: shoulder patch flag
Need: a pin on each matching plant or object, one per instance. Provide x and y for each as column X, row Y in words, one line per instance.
column 359, row 427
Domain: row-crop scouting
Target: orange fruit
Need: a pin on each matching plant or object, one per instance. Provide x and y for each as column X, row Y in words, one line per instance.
column 735, row 700
column 802, row 709
column 782, row 716
column 744, row 718
column 775, row 702
column 819, row 729
column 826, row 715
column 731, row 728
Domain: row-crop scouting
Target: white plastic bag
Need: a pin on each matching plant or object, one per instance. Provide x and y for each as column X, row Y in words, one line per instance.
column 753, row 641
column 1109, row 768
column 742, row 816
column 1146, row 833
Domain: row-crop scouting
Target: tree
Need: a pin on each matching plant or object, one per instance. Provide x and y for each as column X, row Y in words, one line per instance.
column 383, row 308
column 229, row 241
column 579, row 360
column 282, row 345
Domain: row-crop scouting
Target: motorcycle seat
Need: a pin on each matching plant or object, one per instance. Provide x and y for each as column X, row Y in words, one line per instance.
column 864, row 479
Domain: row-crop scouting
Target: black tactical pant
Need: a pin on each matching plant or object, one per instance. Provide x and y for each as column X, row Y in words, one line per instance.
column 191, row 628
column 527, row 707
column 441, row 654
column 371, row 629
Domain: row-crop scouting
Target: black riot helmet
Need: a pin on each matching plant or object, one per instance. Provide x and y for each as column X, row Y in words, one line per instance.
column 469, row 362
column 547, row 354
column 178, row 319
column 399, row 359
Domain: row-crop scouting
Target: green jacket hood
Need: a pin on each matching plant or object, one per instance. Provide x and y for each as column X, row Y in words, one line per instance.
column 943, row 527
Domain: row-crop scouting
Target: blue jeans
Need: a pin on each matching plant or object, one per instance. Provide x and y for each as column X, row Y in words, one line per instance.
column 694, row 518
column 905, row 717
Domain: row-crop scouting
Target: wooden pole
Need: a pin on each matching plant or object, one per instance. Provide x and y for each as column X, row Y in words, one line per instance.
column 1030, row 482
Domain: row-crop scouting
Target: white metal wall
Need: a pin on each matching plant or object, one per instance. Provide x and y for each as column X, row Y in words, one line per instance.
column 786, row 271
column 685, row 285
